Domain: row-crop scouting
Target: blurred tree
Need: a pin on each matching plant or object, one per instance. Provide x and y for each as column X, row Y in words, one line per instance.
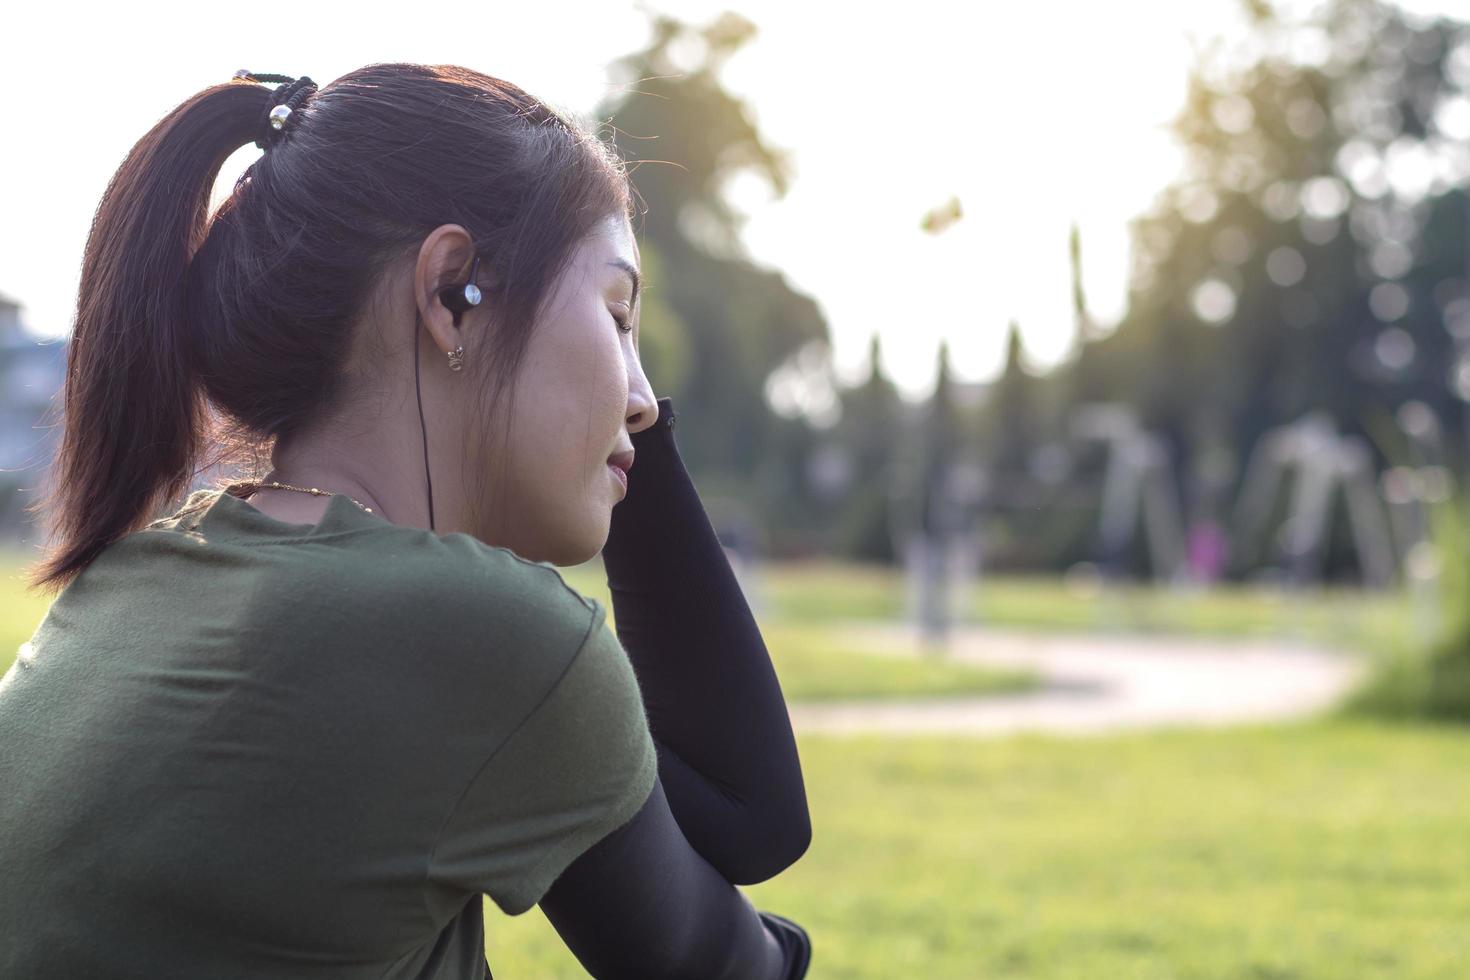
column 940, row 445
column 870, row 416
column 870, row 429
column 664, row 342
column 1314, row 250
column 1009, row 416
column 1084, row 379
column 735, row 322
column 1019, row 510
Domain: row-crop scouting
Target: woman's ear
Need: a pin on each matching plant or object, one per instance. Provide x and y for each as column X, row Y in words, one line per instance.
column 441, row 272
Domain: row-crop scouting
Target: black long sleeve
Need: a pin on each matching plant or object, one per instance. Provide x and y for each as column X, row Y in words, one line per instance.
column 641, row 903
column 727, row 755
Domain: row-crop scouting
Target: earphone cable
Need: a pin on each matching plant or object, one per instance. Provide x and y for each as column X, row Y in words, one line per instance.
column 422, row 427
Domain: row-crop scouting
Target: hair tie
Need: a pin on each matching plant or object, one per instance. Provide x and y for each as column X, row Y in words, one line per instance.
column 289, row 96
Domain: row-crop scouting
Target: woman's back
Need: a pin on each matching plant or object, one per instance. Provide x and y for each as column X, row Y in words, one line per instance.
column 239, row 747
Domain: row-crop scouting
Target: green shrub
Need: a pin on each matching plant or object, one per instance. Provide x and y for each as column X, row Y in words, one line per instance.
column 1431, row 678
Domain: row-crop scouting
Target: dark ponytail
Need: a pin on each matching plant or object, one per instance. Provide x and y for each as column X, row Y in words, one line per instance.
column 218, row 338
column 131, row 404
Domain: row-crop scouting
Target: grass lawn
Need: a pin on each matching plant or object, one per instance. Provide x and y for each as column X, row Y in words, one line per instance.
column 1329, row 851
column 813, row 666
column 821, row 592
column 19, row 611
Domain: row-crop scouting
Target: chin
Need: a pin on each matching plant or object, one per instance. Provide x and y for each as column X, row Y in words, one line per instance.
column 568, row 553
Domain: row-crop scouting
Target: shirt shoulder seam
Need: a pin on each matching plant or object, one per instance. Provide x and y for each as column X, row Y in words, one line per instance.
column 464, row 791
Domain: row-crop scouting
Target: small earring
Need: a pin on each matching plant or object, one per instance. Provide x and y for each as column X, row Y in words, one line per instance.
column 456, row 359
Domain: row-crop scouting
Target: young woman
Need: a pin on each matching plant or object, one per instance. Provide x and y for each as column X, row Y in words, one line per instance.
column 299, row 726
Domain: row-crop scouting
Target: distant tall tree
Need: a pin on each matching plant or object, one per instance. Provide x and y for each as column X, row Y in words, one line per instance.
column 1023, row 520
column 871, row 431
column 1010, row 415
column 940, row 445
column 1082, row 321
column 871, row 415
column 1083, row 377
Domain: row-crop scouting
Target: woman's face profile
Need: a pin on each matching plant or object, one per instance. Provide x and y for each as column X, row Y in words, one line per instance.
column 580, row 394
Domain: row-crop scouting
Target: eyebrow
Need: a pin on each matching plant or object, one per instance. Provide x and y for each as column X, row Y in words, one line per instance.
column 632, row 274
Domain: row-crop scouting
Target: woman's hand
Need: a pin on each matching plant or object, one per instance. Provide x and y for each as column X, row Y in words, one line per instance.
column 794, row 940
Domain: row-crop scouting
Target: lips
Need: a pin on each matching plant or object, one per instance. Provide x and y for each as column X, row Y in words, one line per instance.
column 622, row 460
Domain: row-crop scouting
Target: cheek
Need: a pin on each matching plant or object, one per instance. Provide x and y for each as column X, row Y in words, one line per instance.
column 557, row 468
column 569, row 413
column 588, row 383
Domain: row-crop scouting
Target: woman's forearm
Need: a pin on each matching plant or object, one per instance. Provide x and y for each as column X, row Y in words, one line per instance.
column 727, row 755
column 643, row 903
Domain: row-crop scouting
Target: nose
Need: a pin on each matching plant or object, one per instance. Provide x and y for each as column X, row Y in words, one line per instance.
column 642, row 412
column 642, row 405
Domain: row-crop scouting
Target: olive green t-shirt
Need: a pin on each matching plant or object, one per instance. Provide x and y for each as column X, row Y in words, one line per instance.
column 237, row 747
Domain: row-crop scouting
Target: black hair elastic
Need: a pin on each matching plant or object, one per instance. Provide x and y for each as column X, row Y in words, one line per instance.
column 289, row 96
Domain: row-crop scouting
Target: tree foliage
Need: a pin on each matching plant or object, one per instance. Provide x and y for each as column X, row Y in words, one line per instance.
column 734, row 322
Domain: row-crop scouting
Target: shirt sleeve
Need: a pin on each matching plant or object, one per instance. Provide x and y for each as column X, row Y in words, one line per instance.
column 580, row 766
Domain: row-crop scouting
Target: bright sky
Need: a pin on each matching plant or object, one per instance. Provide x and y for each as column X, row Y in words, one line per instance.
column 1035, row 115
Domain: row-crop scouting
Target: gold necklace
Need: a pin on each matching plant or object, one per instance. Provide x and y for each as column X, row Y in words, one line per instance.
column 252, row 486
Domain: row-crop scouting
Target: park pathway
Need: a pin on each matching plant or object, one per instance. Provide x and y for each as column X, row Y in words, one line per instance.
column 1097, row 683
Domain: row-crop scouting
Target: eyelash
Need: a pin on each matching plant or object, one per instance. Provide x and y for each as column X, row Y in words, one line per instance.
column 624, row 326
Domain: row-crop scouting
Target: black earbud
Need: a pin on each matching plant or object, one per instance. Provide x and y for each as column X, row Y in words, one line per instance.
column 459, row 298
